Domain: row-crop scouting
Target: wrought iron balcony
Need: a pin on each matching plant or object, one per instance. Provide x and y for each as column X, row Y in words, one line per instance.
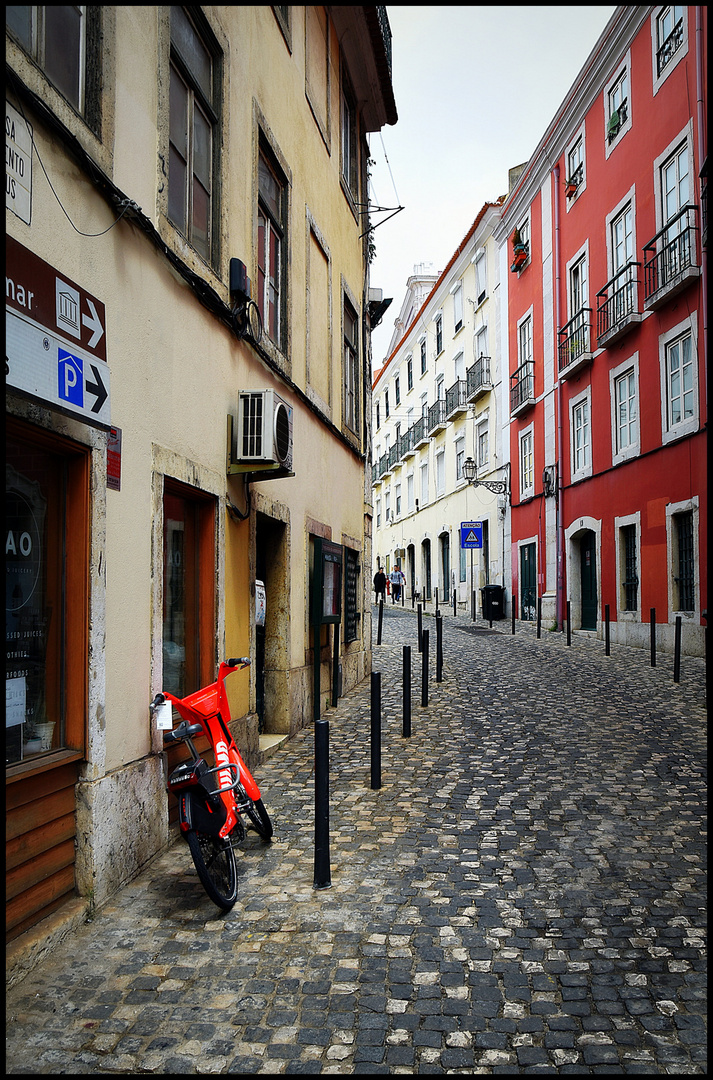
column 670, row 46
column 618, row 305
column 375, row 478
column 383, row 465
column 575, row 346
column 406, row 447
column 437, row 416
column 704, row 203
column 456, row 402
column 394, row 456
column 477, row 379
column 522, row 388
column 420, row 432
column 671, row 258
column 617, row 120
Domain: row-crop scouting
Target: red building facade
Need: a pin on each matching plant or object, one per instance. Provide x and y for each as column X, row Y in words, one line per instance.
column 604, row 340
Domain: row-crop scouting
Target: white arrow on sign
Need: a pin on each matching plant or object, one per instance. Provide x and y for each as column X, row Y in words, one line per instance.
column 94, row 323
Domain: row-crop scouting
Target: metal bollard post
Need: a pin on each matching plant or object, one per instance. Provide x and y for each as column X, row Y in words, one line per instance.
column 439, row 647
column 513, row 602
column 677, row 651
column 420, row 628
column 436, row 592
column 407, row 692
column 472, row 605
column 381, row 619
column 539, row 616
column 424, row 669
column 322, row 876
column 652, row 624
column 569, row 622
column 376, row 729
column 455, row 609
column 606, row 630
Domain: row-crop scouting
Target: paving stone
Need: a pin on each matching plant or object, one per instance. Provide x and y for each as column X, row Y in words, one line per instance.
column 523, row 893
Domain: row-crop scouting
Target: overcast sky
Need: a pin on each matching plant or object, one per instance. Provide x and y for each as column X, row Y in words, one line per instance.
column 475, row 88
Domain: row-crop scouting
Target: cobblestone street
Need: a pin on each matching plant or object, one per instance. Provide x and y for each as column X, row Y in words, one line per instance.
column 524, row 893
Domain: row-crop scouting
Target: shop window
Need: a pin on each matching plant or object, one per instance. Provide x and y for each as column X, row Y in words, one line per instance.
column 46, row 492
column 189, row 659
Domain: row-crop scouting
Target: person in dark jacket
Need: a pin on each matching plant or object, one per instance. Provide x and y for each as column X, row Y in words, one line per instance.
column 380, row 585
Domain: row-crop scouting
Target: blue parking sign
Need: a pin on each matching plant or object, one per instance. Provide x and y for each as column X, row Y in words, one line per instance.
column 70, row 377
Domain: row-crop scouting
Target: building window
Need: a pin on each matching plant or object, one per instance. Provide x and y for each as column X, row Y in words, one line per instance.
column 387, row 506
column 578, row 287
column 630, row 578
column 460, row 457
column 524, row 341
column 440, row 388
column 46, row 541
column 409, row 492
column 669, row 34
column 440, row 473
column 481, row 434
column 617, row 105
column 188, row 588
column 623, row 298
column 378, row 513
column 350, row 160
column 481, row 342
column 398, row 500
column 424, row 483
column 386, row 404
column 397, row 390
column 527, row 464
column 684, row 578
column 457, row 308
column 481, row 281
column 674, row 197
column 56, row 39
column 423, row 356
column 524, row 230
column 575, row 163
column 439, row 334
column 680, row 389
column 271, row 230
column 580, row 433
column 626, row 413
column 378, row 417
column 192, row 134
column 409, row 373
column 351, row 369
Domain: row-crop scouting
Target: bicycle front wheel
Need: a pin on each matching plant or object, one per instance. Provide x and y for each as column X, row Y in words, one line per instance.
column 215, row 862
column 260, row 819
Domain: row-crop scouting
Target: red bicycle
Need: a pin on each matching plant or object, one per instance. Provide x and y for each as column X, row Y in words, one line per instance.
column 212, row 800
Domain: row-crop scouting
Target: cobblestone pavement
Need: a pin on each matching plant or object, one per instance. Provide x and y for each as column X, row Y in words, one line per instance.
column 524, row 893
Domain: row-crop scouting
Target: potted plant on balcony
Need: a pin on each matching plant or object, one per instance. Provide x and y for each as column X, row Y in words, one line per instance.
column 570, row 187
column 519, row 251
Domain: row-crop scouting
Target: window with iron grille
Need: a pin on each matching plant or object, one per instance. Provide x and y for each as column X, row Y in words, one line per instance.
column 351, row 594
column 669, row 34
column 630, row 584
column 685, row 578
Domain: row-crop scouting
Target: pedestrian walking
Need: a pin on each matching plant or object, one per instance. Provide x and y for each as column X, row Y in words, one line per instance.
column 380, row 584
column 395, row 579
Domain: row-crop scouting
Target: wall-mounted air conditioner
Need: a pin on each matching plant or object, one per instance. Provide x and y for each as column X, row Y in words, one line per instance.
column 264, row 434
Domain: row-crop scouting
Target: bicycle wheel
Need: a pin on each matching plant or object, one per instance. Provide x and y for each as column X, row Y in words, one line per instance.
column 260, row 819
column 215, row 862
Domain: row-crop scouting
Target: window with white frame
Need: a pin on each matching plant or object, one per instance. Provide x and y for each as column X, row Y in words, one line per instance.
column 378, row 416
column 460, row 457
column 423, row 355
column 674, row 197
column 580, row 436
column 397, row 495
column 623, row 297
column 409, row 373
column 424, row 483
column 271, row 233
column 680, row 382
column 482, row 443
column 575, row 163
column 440, row 472
column 409, row 493
column 378, row 513
column 578, row 303
column 424, row 405
column 628, row 567
column 440, row 388
column 682, row 540
column 387, row 506
column 481, row 342
column 624, row 389
column 669, row 39
column 397, row 390
column 617, row 105
column 457, row 307
column 481, row 281
column 386, row 404
column 351, row 366
column 439, row 334
column 527, row 463
column 459, row 366
column 350, row 161
column 524, row 341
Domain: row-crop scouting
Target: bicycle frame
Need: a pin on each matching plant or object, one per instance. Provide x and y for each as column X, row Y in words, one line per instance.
column 209, row 707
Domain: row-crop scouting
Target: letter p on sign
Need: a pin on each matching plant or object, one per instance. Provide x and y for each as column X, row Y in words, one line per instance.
column 70, row 378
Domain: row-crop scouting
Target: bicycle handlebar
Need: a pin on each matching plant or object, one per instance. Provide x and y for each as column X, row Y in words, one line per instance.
column 239, row 661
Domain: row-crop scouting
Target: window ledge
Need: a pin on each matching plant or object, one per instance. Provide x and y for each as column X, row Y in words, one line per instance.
column 22, row 769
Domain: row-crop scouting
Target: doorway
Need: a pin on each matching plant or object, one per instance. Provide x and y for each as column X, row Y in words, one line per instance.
column 411, row 567
column 528, row 583
column 445, row 566
column 426, row 560
column 588, row 569
column 271, row 640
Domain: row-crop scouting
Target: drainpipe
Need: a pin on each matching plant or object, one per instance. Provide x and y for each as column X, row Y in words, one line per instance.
column 560, row 486
column 701, row 158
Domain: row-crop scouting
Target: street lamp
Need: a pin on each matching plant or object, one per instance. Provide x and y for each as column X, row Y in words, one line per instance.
column 500, row 487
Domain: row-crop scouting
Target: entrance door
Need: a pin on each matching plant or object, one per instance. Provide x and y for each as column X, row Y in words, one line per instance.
column 445, row 567
column 411, row 568
column 426, row 554
column 588, row 558
column 528, row 583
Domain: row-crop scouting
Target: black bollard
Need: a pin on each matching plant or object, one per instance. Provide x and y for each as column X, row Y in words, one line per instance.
column 322, row 876
column 472, row 605
column 677, row 651
column 513, row 602
column 376, row 729
column 455, row 609
column 424, row 669
column 420, row 628
column 606, row 630
column 539, row 616
column 439, row 648
column 652, row 624
column 407, row 692
column 569, row 622
column 436, row 591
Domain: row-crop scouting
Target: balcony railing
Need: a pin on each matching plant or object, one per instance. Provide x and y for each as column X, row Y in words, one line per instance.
column 477, row 378
column 406, row 444
column 383, row 464
column 385, row 32
column 670, row 46
column 437, row 416
column 670, row 258
column 617, row 120
column 394, row 456
column 575, row 343
column 704, row 203
column 522, row 388
column 420, row 432
column 617, row 304
column 456, row 402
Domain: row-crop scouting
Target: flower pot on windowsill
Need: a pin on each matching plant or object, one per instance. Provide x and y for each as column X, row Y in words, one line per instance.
column 570, row 188
column 519, row 257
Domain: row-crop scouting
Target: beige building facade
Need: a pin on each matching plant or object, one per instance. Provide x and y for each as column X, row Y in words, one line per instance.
column 188, row 401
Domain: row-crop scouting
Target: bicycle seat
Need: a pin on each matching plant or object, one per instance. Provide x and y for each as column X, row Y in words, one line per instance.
column 183, row 731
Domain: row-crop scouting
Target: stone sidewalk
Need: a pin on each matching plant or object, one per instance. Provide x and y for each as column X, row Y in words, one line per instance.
column 524, row 893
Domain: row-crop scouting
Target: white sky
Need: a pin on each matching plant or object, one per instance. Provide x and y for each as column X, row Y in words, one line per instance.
column 475, row 89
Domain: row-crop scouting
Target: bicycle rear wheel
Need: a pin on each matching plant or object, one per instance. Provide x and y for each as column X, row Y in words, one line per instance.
column 215, row 862
column 260, row 819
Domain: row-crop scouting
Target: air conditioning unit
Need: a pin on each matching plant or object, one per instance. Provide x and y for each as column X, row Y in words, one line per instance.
column 264, row 434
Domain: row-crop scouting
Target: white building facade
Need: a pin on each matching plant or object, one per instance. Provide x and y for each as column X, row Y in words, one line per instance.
column 437, row 401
